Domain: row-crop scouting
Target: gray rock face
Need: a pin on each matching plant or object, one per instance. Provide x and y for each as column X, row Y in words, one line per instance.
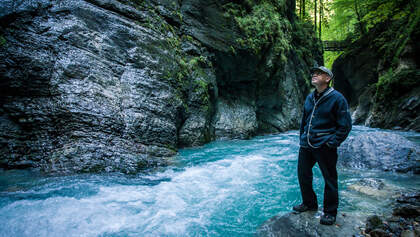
column 363, row 109
column 381, row 151
column 358, row 72
column 354, row 72
column 235, row 120
column 307, row 225
column 83, row 90
column 401, row 113
column 119, row 85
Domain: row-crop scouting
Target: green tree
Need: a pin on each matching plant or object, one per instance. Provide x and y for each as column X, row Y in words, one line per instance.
column 353, row 18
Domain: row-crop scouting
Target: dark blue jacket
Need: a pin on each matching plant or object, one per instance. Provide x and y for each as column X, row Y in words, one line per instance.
column 325, row 121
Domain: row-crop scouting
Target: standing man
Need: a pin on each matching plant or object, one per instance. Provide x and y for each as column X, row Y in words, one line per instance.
column 325, row 125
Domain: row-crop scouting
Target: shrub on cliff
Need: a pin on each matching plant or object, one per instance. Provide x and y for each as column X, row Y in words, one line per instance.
column 264, row 25
column 394, row 84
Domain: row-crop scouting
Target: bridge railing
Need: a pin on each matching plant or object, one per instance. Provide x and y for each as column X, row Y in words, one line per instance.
column 334, row 45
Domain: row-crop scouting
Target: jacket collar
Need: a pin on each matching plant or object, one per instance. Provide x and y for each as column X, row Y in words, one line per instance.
column 324, row 94
column 316, row 94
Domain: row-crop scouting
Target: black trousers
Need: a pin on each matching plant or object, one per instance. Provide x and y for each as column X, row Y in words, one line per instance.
column 327, row 161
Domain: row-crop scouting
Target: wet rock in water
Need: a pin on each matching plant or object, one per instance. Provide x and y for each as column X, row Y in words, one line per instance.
column 380, row 151
column 379, row 233
column 407, row 210
column 395, row 227
column 417, row 231
column 373, row 222
column 413, row 198
column 408, row 205
column 408, row 233
column 374, row 187
column 83, row 88
column 307, row 224
column 403, row 222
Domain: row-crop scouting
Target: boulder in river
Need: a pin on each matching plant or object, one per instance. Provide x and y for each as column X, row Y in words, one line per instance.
column 379, row 151
column 375, row 188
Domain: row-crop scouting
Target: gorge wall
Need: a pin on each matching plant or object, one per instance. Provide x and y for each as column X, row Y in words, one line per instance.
column 107, row 85
column 380, row 76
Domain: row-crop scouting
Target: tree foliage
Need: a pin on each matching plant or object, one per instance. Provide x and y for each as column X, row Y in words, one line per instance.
column 263, row 24
column 352, row 19
column 384, row 26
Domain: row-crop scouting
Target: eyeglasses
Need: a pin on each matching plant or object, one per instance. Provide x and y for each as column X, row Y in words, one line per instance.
column 317, row 73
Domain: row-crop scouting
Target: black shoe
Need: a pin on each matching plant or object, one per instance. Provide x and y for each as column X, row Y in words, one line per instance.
column 327, row 219
column 302, row 208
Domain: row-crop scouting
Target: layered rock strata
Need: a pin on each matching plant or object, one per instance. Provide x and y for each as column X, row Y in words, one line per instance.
column 107, row 85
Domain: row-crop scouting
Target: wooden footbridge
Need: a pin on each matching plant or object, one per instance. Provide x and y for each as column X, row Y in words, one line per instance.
column 334, row 45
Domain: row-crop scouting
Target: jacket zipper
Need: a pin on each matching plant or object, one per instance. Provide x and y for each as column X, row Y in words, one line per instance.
column 312, row 115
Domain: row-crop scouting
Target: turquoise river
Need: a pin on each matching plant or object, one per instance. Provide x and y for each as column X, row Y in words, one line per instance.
column 225, row 188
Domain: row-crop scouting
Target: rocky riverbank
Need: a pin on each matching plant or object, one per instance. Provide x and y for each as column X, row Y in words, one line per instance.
column 307, row 225
column 404, row 221
column 399, row 207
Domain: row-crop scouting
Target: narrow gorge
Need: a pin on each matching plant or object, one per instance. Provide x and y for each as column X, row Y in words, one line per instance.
column 181, row 117
column 380, row 75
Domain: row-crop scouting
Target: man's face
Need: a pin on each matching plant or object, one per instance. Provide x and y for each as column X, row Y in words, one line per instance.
column 320, row 78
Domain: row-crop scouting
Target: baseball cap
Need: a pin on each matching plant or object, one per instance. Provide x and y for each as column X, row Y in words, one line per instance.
column 324, row 69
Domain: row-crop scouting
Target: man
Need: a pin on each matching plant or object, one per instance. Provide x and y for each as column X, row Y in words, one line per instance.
column 325, row 125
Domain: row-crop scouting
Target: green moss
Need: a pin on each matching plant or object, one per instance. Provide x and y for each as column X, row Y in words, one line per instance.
column 394, row 35
column 188, row 38
column 182, row 71
column 263, row 26
column 2, row 41
column 187, row 69
column 330, row 57
column 173, row 42
column 139, row 4
column 392, row 85
column 304, row 41
column 232, row 49
column 201, row 88
column 178, row 13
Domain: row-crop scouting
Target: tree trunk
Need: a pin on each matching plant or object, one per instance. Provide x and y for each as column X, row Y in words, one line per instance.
column 303, row 9
column 359, row 18
column 315, row 16
column 300, row 9
column 321, row 13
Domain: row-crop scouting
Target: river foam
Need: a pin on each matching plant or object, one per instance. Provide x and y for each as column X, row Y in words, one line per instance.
column 225, row 188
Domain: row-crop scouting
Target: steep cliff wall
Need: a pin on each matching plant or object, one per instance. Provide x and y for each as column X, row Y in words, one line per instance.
column 381, row 77
column 107, row 85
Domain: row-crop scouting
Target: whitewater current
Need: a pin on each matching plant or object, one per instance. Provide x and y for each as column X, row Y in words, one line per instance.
column 225, row 188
